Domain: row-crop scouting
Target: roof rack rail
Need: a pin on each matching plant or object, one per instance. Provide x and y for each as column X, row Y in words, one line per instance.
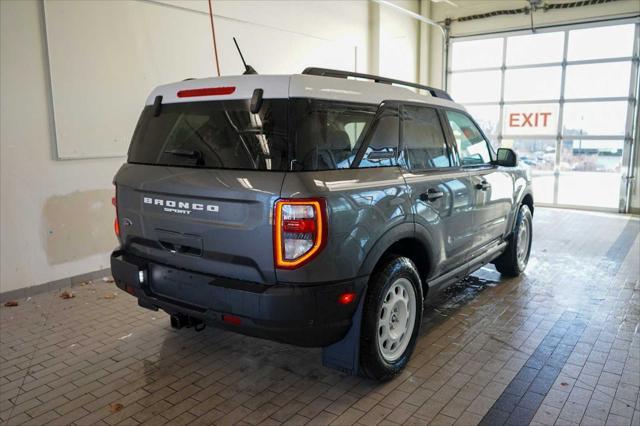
column 325, row 72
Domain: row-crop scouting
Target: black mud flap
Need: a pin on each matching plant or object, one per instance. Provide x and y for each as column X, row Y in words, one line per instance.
column 344, row 355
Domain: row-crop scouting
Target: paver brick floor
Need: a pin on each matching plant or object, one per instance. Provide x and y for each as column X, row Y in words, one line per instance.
column 560, row 345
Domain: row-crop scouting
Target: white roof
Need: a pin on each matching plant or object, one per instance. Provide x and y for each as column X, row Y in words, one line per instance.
column 295, row 86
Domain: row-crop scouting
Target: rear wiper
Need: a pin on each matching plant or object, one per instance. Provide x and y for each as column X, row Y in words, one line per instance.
column 195, row 154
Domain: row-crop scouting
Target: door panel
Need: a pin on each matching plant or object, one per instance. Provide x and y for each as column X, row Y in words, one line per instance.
column 449, row 218
column 492, row 186
column 441, row 193
column 493, row 199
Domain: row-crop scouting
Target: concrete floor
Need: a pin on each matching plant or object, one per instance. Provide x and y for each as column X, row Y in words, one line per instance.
column 559, row 345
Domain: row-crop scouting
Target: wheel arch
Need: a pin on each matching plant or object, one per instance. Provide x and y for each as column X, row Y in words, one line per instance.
column 528, row 201
column 403, row 241
column 526, row 198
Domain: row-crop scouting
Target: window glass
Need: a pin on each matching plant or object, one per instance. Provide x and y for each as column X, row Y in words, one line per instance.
column 479, row 86
column 588, row 155
column 472, row 147
column 530, row 119
column 219, row 134
column 312, row 135
column 327, row 135
column 354, row 130
column 382, row 149
column 476, row 54
column 589, row 189
column 602, row 42
column 594, row 118
column 597, row 80
column 590, row 172
column 423, row 138
column 540, row 156
column 532, row 84
column 487, row 117
column 535, row 48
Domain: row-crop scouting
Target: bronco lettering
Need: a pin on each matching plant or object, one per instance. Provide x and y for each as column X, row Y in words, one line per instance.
column 184, row 207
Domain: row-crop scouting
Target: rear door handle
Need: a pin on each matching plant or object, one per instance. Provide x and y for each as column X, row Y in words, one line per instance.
column 484, row 185
column 431, row 195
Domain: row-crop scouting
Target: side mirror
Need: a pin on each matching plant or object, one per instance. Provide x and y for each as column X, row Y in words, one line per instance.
column 507, row 157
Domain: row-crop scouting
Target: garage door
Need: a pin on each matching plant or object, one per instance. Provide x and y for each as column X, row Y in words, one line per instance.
column 563, row 98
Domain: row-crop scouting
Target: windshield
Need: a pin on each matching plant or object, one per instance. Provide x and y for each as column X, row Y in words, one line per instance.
column 296, row 134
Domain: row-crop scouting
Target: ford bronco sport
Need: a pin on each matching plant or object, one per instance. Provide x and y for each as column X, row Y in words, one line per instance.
column 317, row 209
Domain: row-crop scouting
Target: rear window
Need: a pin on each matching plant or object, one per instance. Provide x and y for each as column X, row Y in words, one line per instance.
column 219, row 134
column 296, row 134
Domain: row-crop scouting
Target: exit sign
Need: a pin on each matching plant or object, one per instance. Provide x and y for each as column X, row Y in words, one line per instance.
column 530, row 120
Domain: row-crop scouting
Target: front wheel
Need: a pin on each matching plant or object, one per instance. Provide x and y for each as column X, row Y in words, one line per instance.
column 516, row 256
column 391, row 319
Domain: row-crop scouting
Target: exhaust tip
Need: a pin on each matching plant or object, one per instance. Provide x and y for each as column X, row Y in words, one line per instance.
column 176, row 322
column 181, row 321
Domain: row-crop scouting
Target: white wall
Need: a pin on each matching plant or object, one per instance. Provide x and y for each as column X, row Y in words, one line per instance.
column 118, row 42
column 37, row 191
column 394, row 40
column 56, row 216
column 343, row 21
column 399, row 42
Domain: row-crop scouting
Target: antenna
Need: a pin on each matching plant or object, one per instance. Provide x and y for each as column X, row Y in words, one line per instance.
column 248, row 69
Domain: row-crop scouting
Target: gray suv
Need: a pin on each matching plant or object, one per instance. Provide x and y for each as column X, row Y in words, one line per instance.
column 317, row 209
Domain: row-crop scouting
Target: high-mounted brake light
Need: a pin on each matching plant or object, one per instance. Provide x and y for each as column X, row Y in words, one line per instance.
column 300, row 231
column 206, row 91
column 116, row 222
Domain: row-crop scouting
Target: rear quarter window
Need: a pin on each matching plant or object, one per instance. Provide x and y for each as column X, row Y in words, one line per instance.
column 327, row 135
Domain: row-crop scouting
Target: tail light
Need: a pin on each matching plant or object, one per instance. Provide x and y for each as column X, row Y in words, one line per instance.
column 116, row 222
column 231, row 319
column 300, row 229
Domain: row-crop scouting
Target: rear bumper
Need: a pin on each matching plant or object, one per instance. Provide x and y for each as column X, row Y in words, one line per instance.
column 299, row 314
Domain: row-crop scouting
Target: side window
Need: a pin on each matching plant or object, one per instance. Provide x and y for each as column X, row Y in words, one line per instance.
column 327, row 135
column 472, row 146
column 354, row 130
column 424, row 141
column 383, row 143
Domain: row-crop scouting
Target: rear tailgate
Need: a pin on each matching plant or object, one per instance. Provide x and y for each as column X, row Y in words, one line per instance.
column 210, row 221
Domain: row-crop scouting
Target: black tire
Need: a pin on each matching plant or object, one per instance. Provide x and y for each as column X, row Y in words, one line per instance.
column 507, row 263
column 372, row 362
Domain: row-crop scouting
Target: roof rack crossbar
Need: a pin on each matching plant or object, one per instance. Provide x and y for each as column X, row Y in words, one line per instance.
column 326, row 72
